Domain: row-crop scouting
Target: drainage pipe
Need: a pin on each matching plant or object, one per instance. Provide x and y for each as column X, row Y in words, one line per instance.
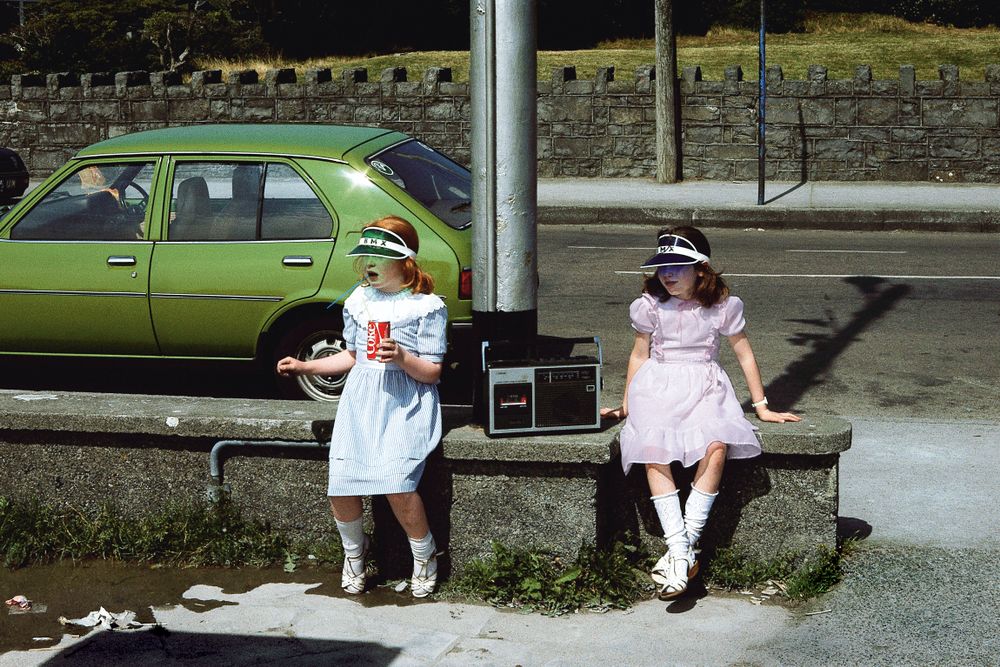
column 216, row 458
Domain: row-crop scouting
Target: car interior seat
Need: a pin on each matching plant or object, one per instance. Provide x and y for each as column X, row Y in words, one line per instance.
column 193, row 219
column 239, row 218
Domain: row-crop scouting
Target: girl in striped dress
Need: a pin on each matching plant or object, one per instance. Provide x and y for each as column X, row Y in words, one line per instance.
column 389, row 417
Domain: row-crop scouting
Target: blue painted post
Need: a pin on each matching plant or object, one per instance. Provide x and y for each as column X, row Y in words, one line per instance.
column 761, row 105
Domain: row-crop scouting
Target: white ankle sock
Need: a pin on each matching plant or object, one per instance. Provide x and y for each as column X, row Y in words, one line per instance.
column 668, row 509
column 696, row 510
column 352, row 534
column 423, row 548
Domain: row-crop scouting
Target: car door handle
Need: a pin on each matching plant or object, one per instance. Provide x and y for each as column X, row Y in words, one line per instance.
column 121, row 260
column 297, row 260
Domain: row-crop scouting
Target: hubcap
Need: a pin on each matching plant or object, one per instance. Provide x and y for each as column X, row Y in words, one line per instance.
column 321, row 387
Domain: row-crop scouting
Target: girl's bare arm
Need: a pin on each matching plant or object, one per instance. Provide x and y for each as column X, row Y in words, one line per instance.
column 639, row 355
column 748, row 362
column 337, row 364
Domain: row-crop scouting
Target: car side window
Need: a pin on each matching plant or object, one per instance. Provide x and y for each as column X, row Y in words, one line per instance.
column 215, row 201
column 225, row 201
column 97, row 202
column 291, row 208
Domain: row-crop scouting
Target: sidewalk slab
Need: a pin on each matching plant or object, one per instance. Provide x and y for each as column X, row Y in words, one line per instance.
column 863, row 206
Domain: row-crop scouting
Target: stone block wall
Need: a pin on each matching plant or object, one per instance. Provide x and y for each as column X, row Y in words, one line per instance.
column 817, row 129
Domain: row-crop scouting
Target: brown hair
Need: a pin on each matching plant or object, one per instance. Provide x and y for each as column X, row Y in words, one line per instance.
column 709, row 287
column 414, row 278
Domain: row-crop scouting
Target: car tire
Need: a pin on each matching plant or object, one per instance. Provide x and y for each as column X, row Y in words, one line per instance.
column 307, row 340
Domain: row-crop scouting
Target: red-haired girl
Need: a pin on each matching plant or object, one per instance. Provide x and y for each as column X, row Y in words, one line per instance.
column 389, row 417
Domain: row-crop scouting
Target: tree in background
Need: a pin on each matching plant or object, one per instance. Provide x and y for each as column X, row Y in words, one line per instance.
column 99, row 35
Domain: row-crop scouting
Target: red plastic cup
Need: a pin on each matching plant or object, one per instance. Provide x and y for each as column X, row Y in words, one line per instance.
column 377, row 331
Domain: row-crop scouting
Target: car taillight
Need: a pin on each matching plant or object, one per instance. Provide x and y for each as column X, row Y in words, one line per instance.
column 465, row 283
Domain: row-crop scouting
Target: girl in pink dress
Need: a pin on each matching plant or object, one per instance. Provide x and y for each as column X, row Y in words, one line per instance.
column 679, row 403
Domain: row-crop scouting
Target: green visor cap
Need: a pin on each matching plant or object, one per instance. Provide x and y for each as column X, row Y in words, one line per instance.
column 378, row 242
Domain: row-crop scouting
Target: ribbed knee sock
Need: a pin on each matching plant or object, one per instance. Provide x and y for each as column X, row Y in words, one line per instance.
column 696, row 510
column 668, row 509
column 352, row 534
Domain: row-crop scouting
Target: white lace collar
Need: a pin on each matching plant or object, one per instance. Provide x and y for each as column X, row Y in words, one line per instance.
column 367, row 303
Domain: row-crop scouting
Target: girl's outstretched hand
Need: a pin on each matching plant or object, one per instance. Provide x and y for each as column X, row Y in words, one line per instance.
column 766, row 415
column 289, row 366
column 614, row 413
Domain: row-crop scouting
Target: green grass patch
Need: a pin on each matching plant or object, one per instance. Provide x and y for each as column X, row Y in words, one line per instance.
column 188, row 535
column 838, row 41
column 801, row 575
column 538, row 581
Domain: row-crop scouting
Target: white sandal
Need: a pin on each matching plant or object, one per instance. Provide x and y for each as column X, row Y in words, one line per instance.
column 671, row 575
column 424, row 576
column 352, row 578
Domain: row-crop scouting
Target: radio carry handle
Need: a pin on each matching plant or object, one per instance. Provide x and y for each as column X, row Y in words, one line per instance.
column 543, row 341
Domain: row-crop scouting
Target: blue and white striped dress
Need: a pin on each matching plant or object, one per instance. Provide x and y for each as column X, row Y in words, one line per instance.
column 387, row 422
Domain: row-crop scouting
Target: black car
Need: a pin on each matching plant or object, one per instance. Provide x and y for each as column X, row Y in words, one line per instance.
column 13, row 175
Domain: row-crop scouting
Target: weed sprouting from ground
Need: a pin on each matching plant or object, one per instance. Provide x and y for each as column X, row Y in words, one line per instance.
column 803, row 575
column 183, row 534
column 597, row 579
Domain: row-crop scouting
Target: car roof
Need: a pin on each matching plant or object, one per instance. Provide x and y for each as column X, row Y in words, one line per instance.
column 324, row 141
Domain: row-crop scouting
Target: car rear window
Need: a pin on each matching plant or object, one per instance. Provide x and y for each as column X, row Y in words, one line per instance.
column 435, row 180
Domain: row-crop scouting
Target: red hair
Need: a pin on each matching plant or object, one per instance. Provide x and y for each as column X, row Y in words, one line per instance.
column 414, row 278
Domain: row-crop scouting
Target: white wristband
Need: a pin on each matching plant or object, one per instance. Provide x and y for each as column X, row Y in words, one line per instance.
column 759, row 403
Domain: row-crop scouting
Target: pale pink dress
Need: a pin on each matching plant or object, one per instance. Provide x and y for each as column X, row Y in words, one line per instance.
column 680, row 400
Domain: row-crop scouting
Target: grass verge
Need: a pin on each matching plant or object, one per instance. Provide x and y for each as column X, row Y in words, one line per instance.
column 190, row 535
column 195, row 535
column 838, row 41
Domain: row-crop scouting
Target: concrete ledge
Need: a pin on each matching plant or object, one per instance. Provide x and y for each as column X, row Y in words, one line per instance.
column 140, row 453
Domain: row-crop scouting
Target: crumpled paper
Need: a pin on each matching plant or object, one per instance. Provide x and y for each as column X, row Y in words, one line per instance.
column 102, row 617
column 22, row 605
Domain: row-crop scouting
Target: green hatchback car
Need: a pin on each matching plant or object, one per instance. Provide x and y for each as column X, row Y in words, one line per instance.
column 222, row 242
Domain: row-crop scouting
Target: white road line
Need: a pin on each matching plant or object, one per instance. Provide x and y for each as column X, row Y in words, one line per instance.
column 653, row 248
column 608, row 247
column 858, row 252
column 832, row 275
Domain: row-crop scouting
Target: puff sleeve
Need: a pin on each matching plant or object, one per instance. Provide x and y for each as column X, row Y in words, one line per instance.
column 432, row 338
column 733, row 321
column 642, row 313
column 350, row 330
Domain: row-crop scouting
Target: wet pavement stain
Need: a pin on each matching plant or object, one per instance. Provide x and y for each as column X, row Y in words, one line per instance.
column 74, row 590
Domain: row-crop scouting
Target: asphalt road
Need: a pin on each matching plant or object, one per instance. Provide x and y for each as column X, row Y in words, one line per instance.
column 870, row 324
column 881, row 324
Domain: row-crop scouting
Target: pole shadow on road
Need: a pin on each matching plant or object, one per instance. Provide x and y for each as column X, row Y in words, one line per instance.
column 809, row 370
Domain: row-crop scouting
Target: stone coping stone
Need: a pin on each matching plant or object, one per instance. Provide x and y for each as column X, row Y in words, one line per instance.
column 185, row 416
column 306, row 421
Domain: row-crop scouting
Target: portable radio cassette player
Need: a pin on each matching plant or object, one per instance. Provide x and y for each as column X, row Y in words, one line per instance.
column 541, row 387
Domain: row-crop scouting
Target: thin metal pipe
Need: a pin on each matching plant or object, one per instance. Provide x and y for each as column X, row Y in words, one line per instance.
column 761, row 108
column 216, row 458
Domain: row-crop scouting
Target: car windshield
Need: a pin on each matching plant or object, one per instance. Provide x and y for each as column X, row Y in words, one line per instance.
column 436, row 181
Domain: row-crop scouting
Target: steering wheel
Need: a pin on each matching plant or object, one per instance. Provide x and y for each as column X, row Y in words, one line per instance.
column 141, row 206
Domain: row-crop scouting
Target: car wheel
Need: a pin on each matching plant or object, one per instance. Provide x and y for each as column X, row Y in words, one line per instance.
column 312, row 339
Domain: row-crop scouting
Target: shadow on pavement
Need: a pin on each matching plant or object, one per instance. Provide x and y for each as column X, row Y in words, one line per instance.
column 803, row 374
column 158, row 645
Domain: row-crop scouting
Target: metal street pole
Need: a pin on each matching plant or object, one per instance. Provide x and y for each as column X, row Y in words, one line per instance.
column 503, row 91
column 761, row 106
